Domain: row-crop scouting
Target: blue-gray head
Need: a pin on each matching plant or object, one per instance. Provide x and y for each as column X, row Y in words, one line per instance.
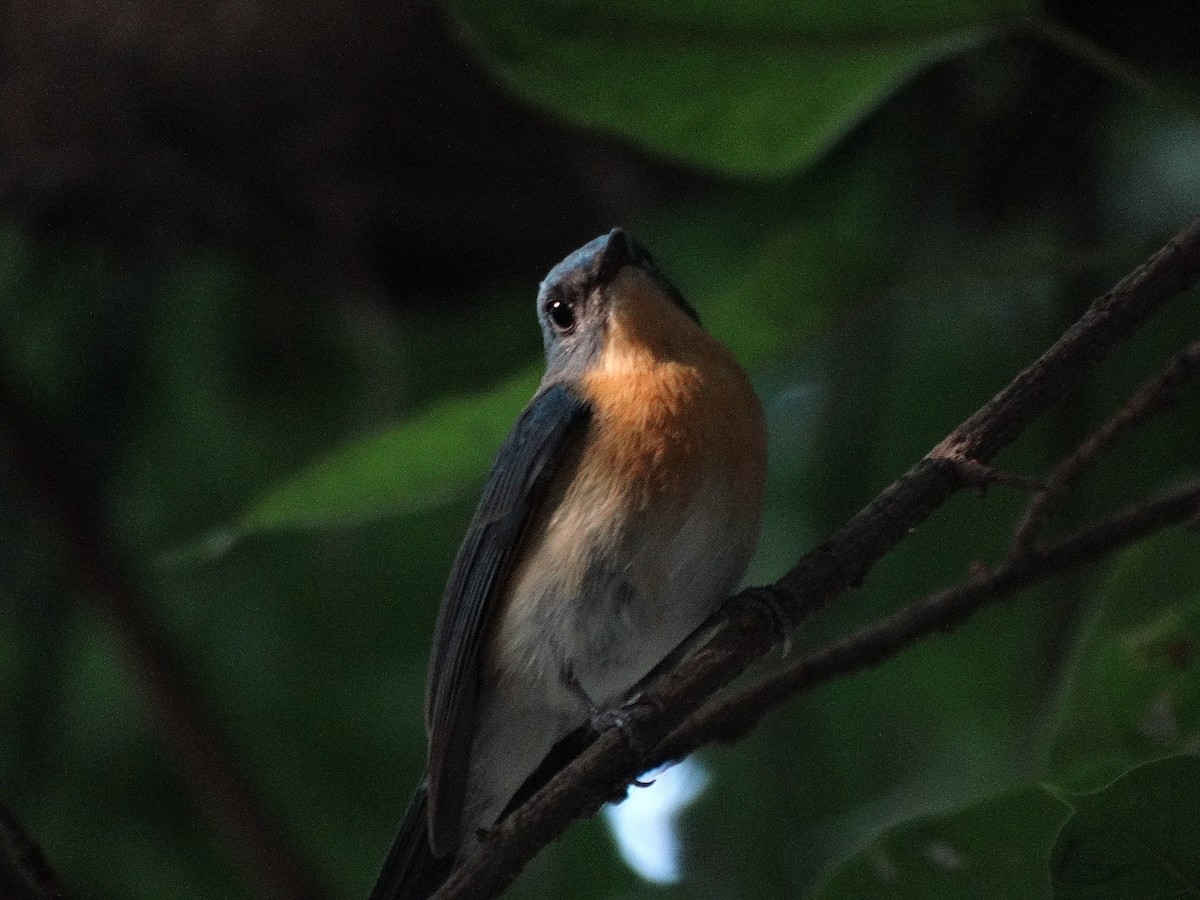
column 573, row 299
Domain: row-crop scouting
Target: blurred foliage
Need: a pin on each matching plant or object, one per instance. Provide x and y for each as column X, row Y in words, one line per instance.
column 895, row 230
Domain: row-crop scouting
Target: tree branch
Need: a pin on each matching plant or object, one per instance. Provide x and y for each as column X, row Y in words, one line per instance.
column 194, row 734
column 605, row 769
column 1155, row 396
column 28, row 858
column 728, row 718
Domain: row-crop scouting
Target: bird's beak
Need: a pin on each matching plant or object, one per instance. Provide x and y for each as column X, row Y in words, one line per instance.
column 619, row 251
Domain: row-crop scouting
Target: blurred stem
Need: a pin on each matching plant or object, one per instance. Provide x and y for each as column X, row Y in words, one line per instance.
column 194, row 734
column 1112, row 66
column 28, row 858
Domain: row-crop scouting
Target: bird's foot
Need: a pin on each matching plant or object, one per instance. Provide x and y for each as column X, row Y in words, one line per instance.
column 602, row 718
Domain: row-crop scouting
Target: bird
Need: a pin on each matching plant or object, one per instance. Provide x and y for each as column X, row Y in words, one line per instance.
column 620, row 512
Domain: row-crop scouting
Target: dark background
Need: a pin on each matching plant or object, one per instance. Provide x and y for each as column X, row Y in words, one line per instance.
column 241, row 238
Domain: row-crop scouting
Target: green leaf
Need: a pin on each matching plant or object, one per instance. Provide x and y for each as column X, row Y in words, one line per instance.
column 750, row 89
column 1135, row 694
column 1138, row 837
column 996, row 848
column 430, row 459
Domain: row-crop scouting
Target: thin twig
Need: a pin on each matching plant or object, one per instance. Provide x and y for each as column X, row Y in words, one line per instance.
column 728, row 718
column 28, row 858
column 193, row 733
column 1153, row 397
column 612, row 761
column 983, row 476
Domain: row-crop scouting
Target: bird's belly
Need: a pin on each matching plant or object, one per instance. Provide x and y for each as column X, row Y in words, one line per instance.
column 573, row 614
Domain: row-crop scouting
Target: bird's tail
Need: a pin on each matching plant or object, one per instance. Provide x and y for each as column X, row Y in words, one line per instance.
column 411, row 871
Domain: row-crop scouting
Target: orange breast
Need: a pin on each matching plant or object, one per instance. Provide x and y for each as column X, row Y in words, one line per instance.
column 673, row 408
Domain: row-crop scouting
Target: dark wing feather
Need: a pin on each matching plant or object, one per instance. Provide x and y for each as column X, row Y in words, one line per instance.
column 411, row 872
column 532, row 453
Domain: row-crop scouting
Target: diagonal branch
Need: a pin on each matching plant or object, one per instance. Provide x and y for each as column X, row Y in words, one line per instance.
column 28, row 858
column 729, row 718
column 193, row 733
column 605, row 769
column 1153, row 397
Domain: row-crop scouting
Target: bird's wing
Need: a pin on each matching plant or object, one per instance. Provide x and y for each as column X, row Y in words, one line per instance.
column 535, row 449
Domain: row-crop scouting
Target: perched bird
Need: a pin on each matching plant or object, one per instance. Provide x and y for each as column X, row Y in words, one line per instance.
column 620, row 512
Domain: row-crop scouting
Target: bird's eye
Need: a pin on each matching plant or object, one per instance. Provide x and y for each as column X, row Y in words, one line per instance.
column 561, row 314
